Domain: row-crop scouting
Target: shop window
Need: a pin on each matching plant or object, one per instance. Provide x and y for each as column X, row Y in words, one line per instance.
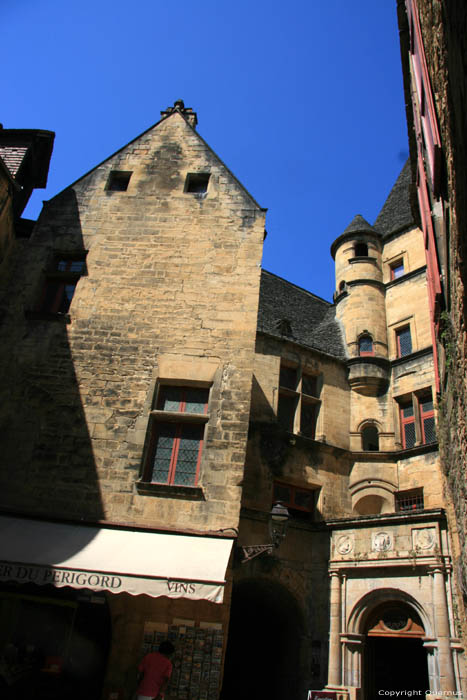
column 365, row 345
column 370, row 438
column 60, row 283
column 298, row 404
column 361, row 250
column 403, row 341
column 409, row 501
column 417, row 415
column 176, row 434
column 197, row 183
column 300, row 502
column 397, row 269
column 119, row 180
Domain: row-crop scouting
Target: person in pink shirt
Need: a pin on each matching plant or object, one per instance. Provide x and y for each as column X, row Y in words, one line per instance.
column 154, row 673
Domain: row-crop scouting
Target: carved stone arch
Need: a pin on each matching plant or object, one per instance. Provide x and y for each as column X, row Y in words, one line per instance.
column 366, row 605
column 369, row 421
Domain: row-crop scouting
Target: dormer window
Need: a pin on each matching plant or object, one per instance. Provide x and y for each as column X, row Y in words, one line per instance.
column 365, row 345
column 361, row 250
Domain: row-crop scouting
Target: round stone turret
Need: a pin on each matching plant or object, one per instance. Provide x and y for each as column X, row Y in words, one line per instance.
column 360, row 305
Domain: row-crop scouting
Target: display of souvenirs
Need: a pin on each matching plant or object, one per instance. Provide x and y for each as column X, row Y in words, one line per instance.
column 197, row 660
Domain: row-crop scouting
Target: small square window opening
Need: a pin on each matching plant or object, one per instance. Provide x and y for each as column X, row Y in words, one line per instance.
column 197, row 183
column 119, row 180
column 397, row 270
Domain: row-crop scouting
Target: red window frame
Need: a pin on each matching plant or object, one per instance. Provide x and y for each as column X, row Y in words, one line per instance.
column 361, row 352
column 407, row 420
column 424, row 414
column 399, row 333
column 290, row 503
column 179, row 428
column 54, row 298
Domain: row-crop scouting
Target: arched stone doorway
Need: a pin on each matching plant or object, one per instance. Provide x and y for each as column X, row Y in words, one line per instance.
column 394, row 656
column 263, row 648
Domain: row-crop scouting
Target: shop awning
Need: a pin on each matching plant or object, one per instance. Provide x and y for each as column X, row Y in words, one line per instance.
column 113, row 560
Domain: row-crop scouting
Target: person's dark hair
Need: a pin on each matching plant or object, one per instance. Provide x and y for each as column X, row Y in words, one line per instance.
column 166, row 648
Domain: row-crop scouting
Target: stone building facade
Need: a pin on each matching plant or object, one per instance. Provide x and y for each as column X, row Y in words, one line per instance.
column 433, row 50
column 161, row 392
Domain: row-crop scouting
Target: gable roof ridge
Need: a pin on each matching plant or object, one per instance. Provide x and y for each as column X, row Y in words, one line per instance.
column 154, row 126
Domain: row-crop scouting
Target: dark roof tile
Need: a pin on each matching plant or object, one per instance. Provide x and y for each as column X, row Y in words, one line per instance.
column 291, row 313
column 396, row 214
column 359, row 225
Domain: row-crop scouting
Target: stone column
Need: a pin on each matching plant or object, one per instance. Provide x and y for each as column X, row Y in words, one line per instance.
column 334, row 669
column 443, row 633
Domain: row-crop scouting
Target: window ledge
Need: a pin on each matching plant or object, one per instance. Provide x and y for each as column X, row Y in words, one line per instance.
column 362, row 258
column 192, row 493
column 47, row 316
column 179, row 416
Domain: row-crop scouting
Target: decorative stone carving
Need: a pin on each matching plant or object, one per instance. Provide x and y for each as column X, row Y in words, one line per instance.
column 382, row 541
column 424, row 538
column 345, row 544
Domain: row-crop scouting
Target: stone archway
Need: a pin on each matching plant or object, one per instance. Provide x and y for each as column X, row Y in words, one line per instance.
column 390, row 627
column 263, row 648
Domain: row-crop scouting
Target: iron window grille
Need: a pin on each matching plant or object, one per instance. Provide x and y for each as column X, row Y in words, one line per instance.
column 409, row 501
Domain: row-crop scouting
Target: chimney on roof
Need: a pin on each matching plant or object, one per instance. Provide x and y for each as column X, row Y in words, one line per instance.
column 187, row 112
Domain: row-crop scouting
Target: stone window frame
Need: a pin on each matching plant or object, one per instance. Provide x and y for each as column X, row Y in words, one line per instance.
column 158, row 416
column 366, row 353
column 298, row 399
column 406, row 327
column 397, row 269
column 364, row 427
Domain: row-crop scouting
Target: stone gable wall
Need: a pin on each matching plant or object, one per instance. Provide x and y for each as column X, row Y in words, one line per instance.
column 172, row 277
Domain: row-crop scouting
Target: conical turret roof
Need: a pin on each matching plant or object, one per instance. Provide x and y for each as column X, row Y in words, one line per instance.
column 358, row 225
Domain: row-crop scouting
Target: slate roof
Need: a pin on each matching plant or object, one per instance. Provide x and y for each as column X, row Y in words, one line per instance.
column 311, row 320
column 13, row 156
column 396, row 214
column 359, row 225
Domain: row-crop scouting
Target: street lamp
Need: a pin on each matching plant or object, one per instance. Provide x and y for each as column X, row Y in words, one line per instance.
column 277, row 523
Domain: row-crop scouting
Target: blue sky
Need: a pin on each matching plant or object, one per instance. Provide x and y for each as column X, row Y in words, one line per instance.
column 303, row 101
